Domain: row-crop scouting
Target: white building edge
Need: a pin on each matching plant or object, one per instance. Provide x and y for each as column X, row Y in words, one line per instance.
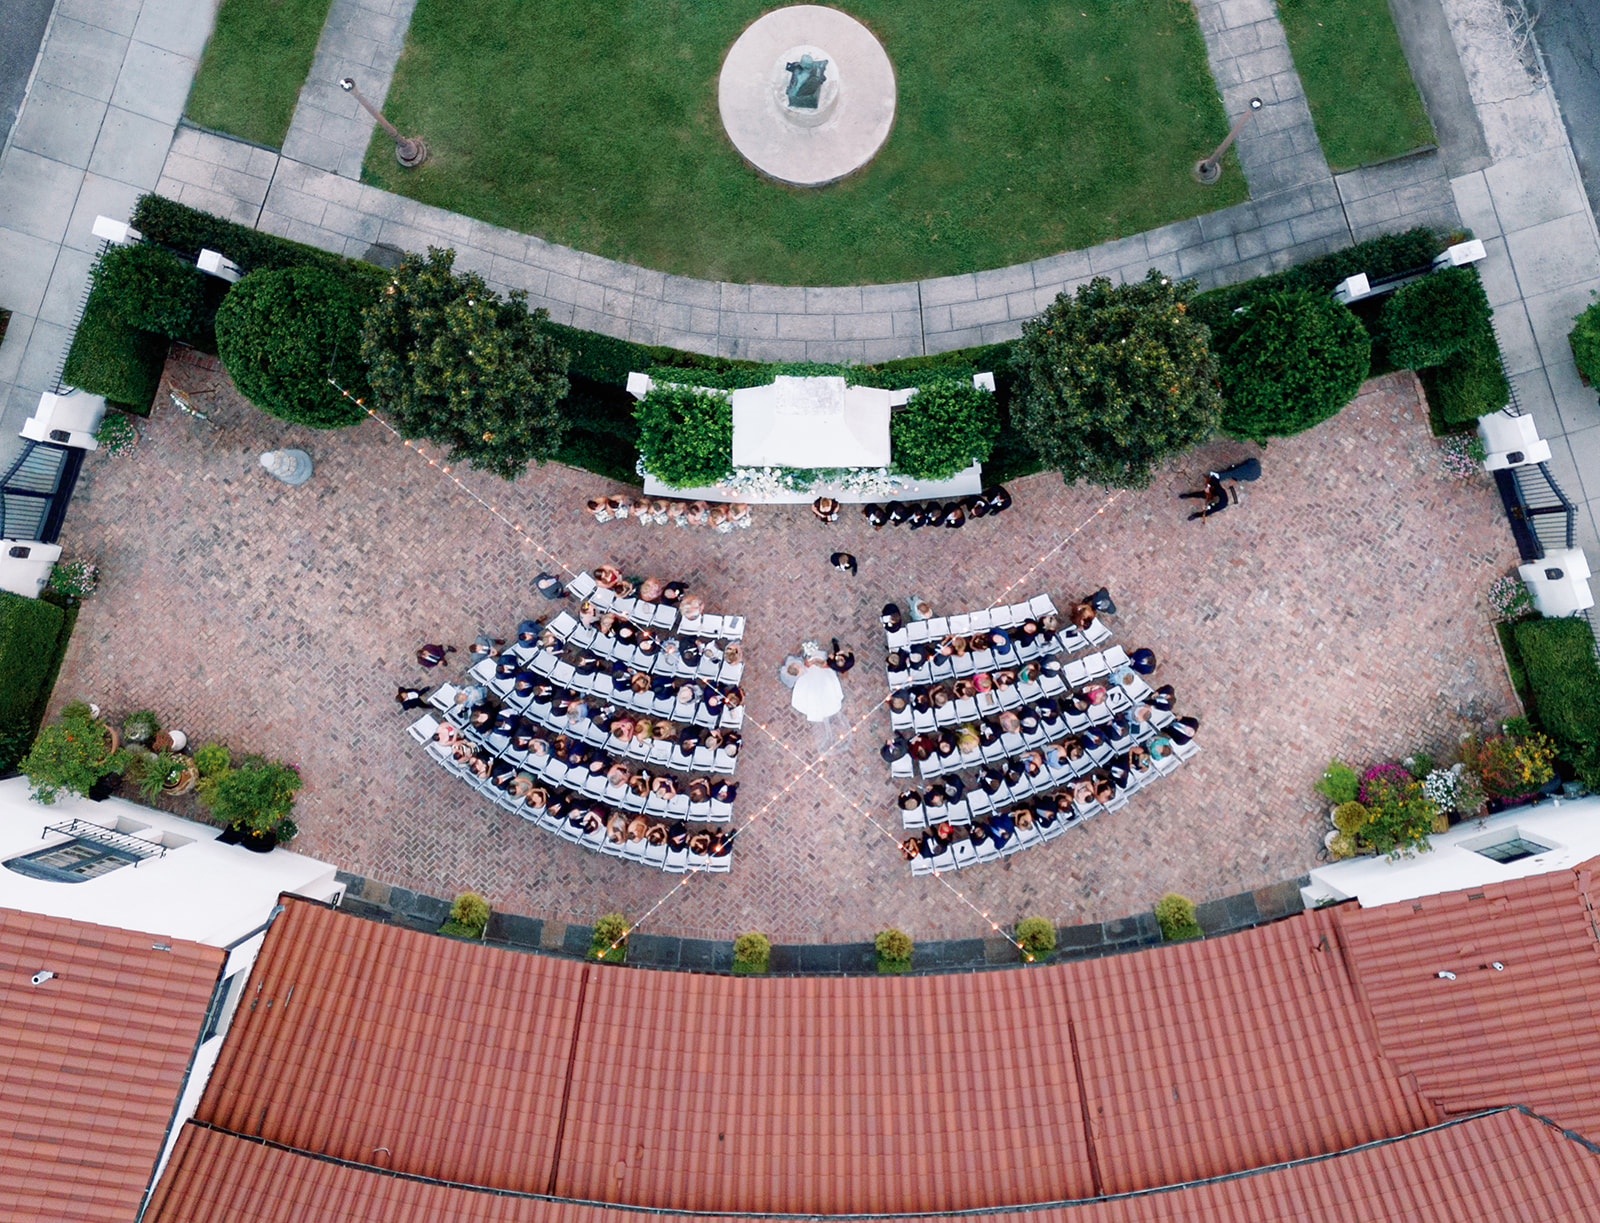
column 1554, row 835
column 144, row 870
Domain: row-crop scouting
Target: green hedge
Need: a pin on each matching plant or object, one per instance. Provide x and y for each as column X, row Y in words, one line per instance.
column 33, row 636
column 111, row 357
column 187, row 230
column 1584, row 338
column 1434, row 318
column 152, row 288
column 1558, row 657
column 1471, row 384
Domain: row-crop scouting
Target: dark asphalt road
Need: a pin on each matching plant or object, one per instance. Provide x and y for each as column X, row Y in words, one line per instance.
column 22, row 25
column 1568, row 32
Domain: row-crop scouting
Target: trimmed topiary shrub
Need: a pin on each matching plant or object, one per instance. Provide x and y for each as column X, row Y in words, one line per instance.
column 1038, row 938
column 1558, row 656
column 283, row 334
column 751, row 953
column 1175, row 916
column 1115, row 380
column 685, row 436
column 32, row 637
column 469, row 916
column 152, row 288
column 1433, row 318
column 894, row 948
column 1585, row 341
column 946, row 427
column 211, row 759
column 609, row 940
column 1471, row 384
column 1288, row 362
column 111, row 357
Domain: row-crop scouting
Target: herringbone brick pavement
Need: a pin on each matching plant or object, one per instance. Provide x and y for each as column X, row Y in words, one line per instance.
column 1340, row 610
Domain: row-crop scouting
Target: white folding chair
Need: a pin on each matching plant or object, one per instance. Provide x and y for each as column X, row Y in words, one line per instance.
column 921, row 866
column 677, row 861
column 1097, row 631
column 1097, row 665
column 965, row 855
column 1041, row 605
column 986, row 852
column 896, row 639
column 721, row 811
column 582, row 586
column 901, row 768
column 913, row 820
column 444, row 697
column 732, row 627
column 1075, row 672
column 656, row 855
column 563, row 624
column 422, row 729
column 981, row 620
column 1017, row 613
column 1115, row 656
column 961, row 623
column 945, row 861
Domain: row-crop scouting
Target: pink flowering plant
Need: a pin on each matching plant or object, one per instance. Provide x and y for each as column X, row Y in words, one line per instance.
column 1462, row 456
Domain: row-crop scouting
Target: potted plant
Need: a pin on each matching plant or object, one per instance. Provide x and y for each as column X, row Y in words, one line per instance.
column 469, row 916
column 140, row 727
column 71, row 754
column 166, row 773
column 751, row 953
column 1175, row 916
column 1038, row 939
column 253, row 801
column 609, row 940
column 894, row 948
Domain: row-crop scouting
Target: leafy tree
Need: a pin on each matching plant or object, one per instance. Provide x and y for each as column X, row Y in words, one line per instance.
column 948, row 425
column 1433, row 318
column 1290, row 361
column 152, row 288
column 1115, row 380
column 282, row 334
column 452, row 361
column 256, row 796
column 70, row 755
column 685, row 435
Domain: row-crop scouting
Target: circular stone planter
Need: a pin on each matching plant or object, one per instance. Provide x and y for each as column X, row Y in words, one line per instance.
column 854, row 111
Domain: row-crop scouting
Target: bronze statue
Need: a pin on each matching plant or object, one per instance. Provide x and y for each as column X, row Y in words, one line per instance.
column 805, row 82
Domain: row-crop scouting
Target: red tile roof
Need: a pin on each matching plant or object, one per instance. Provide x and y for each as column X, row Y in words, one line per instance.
column 91, row 1061
column 1504, row 1167
column 693, row 1092
column 1527, row 1033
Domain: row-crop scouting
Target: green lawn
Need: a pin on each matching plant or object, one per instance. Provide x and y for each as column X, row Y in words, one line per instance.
column 254, row 65
column 1023, row 128
column 1363, row 100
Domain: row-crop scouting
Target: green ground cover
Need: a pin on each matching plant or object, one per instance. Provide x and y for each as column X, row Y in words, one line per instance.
column 1021, row 131
column 254, row 65
column 1363, row 100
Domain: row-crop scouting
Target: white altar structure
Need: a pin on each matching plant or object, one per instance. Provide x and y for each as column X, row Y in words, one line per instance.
column 816, row 422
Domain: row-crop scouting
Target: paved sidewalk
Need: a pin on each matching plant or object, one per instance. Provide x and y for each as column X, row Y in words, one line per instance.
column 92, row 137
column 362, row 39
column 1543, row 261
column 768, row 322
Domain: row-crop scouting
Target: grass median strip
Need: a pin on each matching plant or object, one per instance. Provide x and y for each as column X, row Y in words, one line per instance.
column 1363, row 100
column 258, row 57
column 1021, row 131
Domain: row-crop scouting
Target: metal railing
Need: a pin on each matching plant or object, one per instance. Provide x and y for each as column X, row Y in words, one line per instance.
column 122, row 842
column 36, row 490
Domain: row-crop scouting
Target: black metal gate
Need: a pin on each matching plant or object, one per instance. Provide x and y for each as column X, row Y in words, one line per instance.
column 35, row 492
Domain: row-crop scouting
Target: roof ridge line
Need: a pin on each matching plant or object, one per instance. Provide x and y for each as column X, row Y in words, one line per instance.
column 965, row 1212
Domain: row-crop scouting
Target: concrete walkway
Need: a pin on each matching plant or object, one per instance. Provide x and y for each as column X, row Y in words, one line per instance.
column 1529, row 208
column 361, row 39
column 93, row 135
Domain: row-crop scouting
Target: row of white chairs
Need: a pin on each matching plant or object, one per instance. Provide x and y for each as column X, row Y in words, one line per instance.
column 601, row 685
column 976, row 803
column 963, row 853
column 575, row 779
column 651, row 615
column 660, row 753
column 575, row 633
column 1001, row 616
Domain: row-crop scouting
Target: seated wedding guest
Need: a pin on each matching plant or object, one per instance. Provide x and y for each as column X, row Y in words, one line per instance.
column 984, row 683
column 1093, row 737
column 889, row 617
column 1050, row 623
column 1013, row 772
column 699, row 790
column 522, row 786
column 967, row 740
column 946, row 747
column 896, row 749
column 1010, row 723
column 431, row 655
column 963, row 690
column 990, row 780
column 700, row 843
column 988, row 733
column 1160, row 747
column 618, row 774
column 978, row 834
column 954, row 788
column 666, row 731
column 622, row 727
column 721, row 844
column 588, row 614
column 639, row 785
column 1083, row 791
column 448, row 734
column 672, row 592
column 1004, row 678
column 875, row 516
column 909, row 800
column 650, row 589
column 482, row 718
column 606, row 575
column 1028, row 718
column 1082, row 615
column 944, row 832
column 909, row 848
column 1027, row 632
column 538, row 751
column 1095, row 693
column 479, row 764
column 664, row 787
column 647, row 646
column 917, row 517
column 724, row 791
column 1162, row 698
column 929, row 845
column 1024, row 818
column 934, row 801
column 1118, row 771
column 692, row 607
column 656, row 834
column 617, row 828
column 502, row 773
column 1032, row 762
column 713, row 700
column 922, row 746
column 826, row 509
column 506, row 668
column 1002, row 828
column 1104, row 791
column 1181, row 730
column 677, row 835
column 1142, row 660
column 1045, row 815
column 939, row 696
column 895, row 513
column 954, row 516
column 637, row 827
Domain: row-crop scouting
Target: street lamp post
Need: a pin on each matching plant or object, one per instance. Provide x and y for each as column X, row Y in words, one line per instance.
column 409, row 151
column 1209, row 169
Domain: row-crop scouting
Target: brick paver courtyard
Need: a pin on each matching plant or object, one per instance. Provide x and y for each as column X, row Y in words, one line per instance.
column 1340, row 610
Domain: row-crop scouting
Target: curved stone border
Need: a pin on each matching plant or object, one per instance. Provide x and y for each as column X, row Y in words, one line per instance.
column 399, row 906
